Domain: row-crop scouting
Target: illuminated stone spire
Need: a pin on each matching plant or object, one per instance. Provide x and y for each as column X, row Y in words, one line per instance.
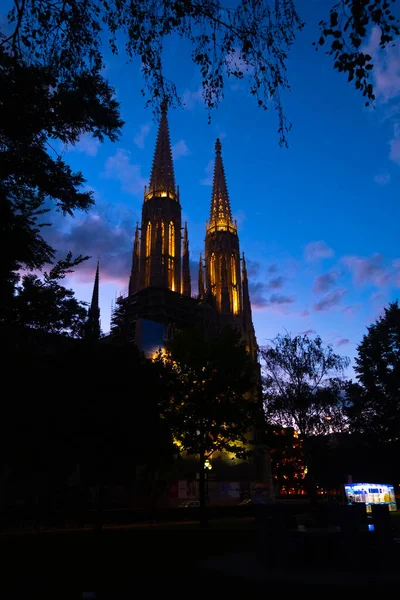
column 201, row 277
column 92, row 326
column 186, row 283
column 220, row 213
column 134, row 278
column 162, row 177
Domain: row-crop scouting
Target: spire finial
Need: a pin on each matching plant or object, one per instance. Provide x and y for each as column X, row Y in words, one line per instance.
column 162, row 177
column 220, row 205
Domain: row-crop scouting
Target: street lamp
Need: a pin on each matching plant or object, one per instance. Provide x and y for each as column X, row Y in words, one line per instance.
column 207, row 467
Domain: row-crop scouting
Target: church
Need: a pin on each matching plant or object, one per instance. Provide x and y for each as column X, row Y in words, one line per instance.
column 160, row 297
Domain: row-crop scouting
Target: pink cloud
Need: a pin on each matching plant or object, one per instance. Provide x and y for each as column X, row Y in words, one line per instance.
column 326, row 281
column 330, row 300
column 316, row 250
column 304, row 313
column 343, row 342
column 370, row 270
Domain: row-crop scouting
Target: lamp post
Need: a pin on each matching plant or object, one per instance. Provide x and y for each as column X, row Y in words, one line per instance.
column 207, row 467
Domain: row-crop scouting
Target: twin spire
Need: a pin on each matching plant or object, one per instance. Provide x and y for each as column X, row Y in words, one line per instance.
column 162, row 177
column 220, row 213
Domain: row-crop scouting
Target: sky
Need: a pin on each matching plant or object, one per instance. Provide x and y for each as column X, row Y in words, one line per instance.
column 318, row 221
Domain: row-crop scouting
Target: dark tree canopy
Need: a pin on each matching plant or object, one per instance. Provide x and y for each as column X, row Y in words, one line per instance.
column 375, row 400
column 250, row 38
column 46, row 305
column 303, row 384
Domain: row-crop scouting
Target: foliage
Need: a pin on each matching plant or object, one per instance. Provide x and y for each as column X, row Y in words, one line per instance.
column 250, row 39
column 348, row 25
column 208, row 410
column 36, row 111
column 375, row 400
column 46, row 305
column 253, row 39
column 303, row 385
column 287, row 457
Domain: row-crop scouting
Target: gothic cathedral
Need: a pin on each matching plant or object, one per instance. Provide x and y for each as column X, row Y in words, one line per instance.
column 160, row 297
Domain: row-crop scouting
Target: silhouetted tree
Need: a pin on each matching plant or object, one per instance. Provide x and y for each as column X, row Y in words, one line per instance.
column 208, row 407
column 375, row 400
column 252, row 38
column 303, row 387
column 37, row 109
column 44, row 304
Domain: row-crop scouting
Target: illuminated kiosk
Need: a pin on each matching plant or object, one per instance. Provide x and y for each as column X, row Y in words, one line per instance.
column 371, row 493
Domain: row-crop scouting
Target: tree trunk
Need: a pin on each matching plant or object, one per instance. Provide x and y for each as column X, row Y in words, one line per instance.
column 202, row 491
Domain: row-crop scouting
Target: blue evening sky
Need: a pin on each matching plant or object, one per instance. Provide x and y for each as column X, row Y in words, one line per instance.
column 318, row 222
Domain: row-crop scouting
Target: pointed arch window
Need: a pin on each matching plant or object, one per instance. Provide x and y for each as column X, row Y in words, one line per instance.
column 213, row 274
column 233, row 269
column 162, row 237
column 171, row 239
column 148, row 239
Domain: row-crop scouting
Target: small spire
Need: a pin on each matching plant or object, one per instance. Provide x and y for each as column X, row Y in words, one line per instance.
column 220, row 205
column 201, row 278
column 186, row 279
column 94, row 306
column 92, row 326
column 162, row 177
column 135, row 271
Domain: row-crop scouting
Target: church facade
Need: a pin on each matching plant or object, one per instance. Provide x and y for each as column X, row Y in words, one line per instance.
column 160, row 292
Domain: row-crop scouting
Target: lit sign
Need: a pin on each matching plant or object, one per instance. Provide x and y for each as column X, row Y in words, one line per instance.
column 371, row 493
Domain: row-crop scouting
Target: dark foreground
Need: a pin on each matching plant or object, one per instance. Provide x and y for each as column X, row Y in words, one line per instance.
column 183, row 560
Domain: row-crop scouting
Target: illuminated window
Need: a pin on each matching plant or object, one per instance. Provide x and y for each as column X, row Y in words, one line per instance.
column 212, row 270
column 235, row 299
column 162, row 237
column 233, row 269
column 171, row 278
column 171, row 239
column 148, row 239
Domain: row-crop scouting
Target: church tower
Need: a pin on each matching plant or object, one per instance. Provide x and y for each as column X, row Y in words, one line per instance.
column 222, row 257
column 226, row 273
column 156, row 260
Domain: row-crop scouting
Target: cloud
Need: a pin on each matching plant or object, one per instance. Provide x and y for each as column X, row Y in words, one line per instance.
column 276, row 283
column 272, row 269
column 382, row 178
column 308, row 332
column 180, row 149
column 351, row 310
column 106, row 233
column 142, row 135
column 281, row 299
column 324, row 282
column 236, row 63
column 253, row 268
column 86, row 144
column 370, row 270
column 209, row 170
column 386, row 71
column 317, row 250
column 192, row 97
column 394, row 153
column 304, row 313
column 120, row 168
column 342, row 342
column 330, row 300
